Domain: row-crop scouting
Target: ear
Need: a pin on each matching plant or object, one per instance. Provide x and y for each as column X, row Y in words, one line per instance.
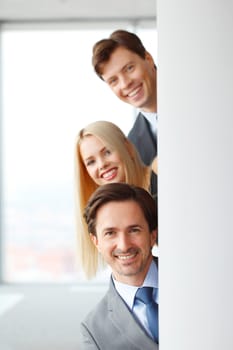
column 95, row 240
column 149, row 59
column 153, row 237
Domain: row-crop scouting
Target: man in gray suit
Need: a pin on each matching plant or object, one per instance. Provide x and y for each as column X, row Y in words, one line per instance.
column 122, row 222
column 124, row 64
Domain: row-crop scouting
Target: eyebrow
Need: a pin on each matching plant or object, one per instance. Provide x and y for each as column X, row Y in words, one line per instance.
column 121, row 70
column 108, row 228
column 115, row 228
column 100, row 151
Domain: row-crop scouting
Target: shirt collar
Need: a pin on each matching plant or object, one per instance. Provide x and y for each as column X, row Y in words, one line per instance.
column 150, row 116
column 127, row 292
column 152, row 119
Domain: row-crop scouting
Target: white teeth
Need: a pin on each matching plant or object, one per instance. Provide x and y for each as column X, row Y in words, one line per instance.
column 108, row 174
column 123, row 257
column 133, row 93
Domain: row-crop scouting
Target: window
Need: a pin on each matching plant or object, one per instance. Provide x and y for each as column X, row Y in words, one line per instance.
column 50, row 91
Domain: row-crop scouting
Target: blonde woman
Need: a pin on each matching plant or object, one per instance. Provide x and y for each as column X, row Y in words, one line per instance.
column 103, row 154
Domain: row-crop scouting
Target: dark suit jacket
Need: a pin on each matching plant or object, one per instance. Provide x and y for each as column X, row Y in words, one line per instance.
column 112, row 326
column 143, row 139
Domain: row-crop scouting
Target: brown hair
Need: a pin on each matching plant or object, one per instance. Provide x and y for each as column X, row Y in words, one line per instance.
column 104, row 48
column 118, row 192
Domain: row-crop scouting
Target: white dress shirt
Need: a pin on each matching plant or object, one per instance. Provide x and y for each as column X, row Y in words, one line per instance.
column 153, row 120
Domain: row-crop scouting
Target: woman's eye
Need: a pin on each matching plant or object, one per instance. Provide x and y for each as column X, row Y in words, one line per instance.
column 90, row 162
column 107, row 152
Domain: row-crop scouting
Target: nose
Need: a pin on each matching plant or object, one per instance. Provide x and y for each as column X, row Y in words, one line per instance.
column 102, row 163
column 125, row 81
column 123, row 243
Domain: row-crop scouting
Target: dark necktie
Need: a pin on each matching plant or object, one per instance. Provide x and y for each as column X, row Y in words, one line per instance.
column 145, row 295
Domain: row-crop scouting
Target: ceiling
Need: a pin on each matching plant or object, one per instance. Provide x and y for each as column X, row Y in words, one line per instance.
column 45, row 10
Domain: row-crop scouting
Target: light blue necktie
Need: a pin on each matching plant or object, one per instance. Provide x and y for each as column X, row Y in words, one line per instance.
column 145, row 294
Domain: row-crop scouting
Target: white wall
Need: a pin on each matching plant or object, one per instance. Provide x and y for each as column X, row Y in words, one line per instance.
column 195, row 53
column 83, row 10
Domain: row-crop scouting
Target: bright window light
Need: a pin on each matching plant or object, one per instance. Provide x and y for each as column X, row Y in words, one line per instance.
column 50, row 92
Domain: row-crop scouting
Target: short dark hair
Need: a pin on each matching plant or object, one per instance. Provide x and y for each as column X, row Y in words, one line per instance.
column 103, row 49
column 118, row 192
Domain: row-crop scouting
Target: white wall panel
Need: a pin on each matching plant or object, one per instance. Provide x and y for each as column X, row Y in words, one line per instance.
column 73, row 9
column 195, row 174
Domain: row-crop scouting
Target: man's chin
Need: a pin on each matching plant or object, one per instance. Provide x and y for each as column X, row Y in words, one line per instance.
column 129, row 271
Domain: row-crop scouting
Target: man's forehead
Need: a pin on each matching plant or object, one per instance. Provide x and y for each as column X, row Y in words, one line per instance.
column 119, row 211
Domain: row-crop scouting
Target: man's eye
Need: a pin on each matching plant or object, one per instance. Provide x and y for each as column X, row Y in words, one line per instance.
column 134, row 229
column 130, row 67
column 112, row 81
column 109, row 233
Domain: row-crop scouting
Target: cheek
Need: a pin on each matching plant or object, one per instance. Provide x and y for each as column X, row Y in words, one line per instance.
column 91, row 171
column 116, row 91
column 104, row 249
column 144, row 243
column 117, row 159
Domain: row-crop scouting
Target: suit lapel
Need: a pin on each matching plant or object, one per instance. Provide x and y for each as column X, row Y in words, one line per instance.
column 121, row 317
column 143, row 139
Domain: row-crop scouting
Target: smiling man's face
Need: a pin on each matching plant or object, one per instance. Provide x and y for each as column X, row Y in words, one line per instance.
column 124, row 240
column 132, row 78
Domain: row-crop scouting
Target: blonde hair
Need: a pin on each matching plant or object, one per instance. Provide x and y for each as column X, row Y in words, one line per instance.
column 136, row 173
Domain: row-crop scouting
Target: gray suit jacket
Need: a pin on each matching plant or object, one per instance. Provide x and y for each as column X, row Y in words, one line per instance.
column 111, row 325
column 146, row 144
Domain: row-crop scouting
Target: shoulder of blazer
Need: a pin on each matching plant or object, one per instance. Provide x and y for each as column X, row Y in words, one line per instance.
column 111, row 319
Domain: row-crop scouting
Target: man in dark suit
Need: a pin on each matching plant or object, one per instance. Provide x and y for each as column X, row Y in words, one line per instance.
column 124, row 64
column 122, row 222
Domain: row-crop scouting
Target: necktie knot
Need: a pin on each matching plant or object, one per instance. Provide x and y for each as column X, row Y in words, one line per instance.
column 145, row 294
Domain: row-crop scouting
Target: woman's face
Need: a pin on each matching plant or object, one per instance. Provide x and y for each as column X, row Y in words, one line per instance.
column 102, row 164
